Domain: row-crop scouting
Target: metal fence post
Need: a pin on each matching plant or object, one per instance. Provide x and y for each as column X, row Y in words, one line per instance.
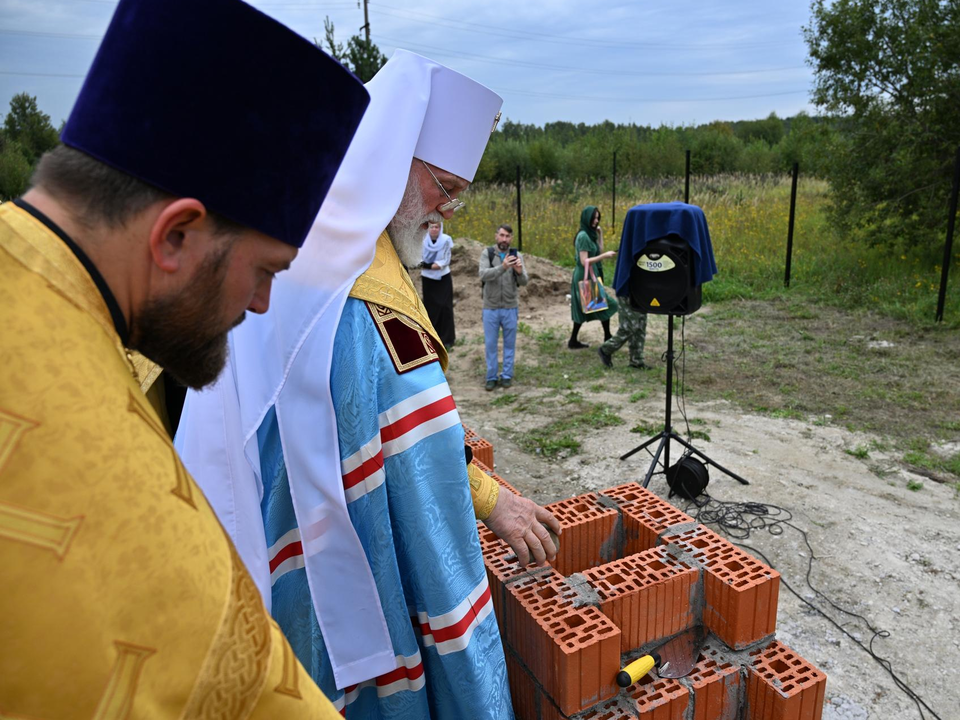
column 519, row 214
column 948, row 247
column 613, row 205
column 793, row 208
column 686, row 184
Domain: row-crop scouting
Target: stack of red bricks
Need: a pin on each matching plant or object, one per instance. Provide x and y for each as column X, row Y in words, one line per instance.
column 482, row 450
column 632, row 572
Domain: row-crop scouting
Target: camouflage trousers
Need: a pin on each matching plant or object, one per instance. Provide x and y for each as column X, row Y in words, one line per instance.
column 632, row 330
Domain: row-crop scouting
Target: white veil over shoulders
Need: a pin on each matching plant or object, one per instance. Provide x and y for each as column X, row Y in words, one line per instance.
column 282, row 359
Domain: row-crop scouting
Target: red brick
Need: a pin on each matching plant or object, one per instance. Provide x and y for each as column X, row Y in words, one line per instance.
column 484, row 459
column 482, row 450
column 642, row 526
column 610, row 710
column 781, row 685
column 628, row 493
column 716, row 688
column 482, row 465
column 548, row 710
column 523, row 690
column 528, row 602
column 645, row 516
column 659, row 699
column 505, row 485
column 587, row 662
column 643, row 522
column 502, row 567
column 574, row 653
column 647, row 595
column 740, row 592
column 588, row 537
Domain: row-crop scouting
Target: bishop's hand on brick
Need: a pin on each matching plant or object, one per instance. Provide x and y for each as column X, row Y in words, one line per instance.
column 525, row 527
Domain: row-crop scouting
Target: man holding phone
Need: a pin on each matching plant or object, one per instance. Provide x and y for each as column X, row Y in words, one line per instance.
column 501, row 274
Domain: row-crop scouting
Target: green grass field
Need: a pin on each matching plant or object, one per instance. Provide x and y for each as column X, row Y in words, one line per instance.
column 748, row 218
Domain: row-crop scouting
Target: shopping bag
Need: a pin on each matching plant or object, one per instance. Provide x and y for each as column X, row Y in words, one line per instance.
column 593, row 297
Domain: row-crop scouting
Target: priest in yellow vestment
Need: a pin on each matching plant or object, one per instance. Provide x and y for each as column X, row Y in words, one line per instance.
column 121, row 595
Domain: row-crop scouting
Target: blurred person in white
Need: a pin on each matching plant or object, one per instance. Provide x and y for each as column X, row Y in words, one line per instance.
column 436, row 282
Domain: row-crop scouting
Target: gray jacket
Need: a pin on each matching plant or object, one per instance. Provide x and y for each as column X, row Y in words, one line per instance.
column 499, row 283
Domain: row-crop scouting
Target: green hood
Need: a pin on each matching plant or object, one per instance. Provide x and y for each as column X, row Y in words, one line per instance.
column 585, row 217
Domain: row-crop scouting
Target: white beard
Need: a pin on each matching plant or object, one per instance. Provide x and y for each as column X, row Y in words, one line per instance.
column 408, row 225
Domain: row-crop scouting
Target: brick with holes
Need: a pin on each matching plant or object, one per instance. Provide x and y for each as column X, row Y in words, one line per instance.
column 500, row 481
column 617, row 709
column 649, row 595
column 523, row 689
column 645, row 516
column 588, row 533
column 740, row 592
column 660, row 699
column 715, row 685
column 781, row 685
column 501, row 565
column 574, row 653
column 482, row 450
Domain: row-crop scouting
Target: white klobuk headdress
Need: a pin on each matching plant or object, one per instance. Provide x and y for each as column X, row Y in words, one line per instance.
column 282, row 359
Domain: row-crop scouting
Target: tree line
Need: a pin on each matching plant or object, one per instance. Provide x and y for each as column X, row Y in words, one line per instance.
column 556, row 151
column 583, row 153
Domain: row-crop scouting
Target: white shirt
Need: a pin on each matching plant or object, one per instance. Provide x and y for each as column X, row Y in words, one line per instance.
column 437, row 251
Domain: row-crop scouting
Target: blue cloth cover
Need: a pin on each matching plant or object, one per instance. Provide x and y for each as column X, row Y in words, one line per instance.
column 217, row 101
column 646, row 223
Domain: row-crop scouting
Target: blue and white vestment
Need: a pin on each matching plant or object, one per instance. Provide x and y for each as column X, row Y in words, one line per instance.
column 405, row 482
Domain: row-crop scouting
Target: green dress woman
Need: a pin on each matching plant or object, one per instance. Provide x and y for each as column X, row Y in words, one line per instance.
column 589, row 251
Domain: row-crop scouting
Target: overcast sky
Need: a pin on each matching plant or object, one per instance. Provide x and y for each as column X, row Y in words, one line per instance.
column 649, row 62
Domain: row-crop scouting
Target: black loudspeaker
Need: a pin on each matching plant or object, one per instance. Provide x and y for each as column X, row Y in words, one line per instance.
column 663, row 280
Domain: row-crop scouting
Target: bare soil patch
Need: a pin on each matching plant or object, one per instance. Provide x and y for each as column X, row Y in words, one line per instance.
column 818, row 408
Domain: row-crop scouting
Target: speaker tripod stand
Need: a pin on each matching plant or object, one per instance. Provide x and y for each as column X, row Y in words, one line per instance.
column 667, row 434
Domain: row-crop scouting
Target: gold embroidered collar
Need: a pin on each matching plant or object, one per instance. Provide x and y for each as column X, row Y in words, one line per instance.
column 386, row 282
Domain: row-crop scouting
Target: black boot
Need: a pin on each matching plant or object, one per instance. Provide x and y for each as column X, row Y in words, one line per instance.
column 573, row 343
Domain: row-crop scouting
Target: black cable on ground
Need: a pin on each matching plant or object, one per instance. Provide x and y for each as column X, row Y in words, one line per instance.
column 738, row 520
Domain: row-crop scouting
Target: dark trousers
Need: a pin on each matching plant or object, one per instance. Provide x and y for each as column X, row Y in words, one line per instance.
column 438, row 300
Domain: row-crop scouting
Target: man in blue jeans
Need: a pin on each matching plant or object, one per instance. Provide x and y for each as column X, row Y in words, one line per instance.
column 501, row 274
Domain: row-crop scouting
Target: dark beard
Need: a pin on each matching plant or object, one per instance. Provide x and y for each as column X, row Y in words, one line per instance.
column 182, row 333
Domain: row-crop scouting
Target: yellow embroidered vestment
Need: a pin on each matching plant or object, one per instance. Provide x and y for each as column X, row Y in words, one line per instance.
column 120, row 594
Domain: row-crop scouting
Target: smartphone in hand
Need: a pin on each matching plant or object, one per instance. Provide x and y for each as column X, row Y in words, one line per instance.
column 512, row 252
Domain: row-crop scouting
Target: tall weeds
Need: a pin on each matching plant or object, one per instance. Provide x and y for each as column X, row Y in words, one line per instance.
column 747, row 216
